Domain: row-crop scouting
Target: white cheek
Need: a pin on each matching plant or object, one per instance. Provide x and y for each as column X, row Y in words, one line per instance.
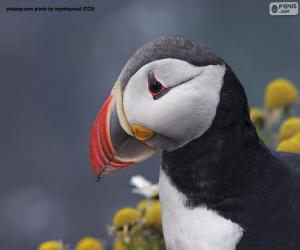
column 184, row 113
column 187, row 112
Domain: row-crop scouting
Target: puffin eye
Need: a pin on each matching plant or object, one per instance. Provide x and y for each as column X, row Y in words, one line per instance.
column 154, row 86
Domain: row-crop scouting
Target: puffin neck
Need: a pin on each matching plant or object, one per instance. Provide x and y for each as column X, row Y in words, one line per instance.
column 213, row 167
column 210, row 168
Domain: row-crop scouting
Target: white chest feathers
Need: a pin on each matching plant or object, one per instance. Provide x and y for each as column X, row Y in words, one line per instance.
column 194, row 229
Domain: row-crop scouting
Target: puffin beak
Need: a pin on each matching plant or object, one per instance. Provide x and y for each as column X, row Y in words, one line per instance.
column 114, row 144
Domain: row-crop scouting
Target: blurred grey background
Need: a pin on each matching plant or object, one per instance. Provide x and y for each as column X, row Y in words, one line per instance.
column 56, row 71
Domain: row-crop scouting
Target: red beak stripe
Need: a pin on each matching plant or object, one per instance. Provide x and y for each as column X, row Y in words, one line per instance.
column 102, row 153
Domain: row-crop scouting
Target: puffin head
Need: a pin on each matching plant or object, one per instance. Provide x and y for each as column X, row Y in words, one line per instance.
column 166, row 96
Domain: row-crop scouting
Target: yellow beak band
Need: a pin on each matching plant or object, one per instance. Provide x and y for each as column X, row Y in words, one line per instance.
column 138, row 132
column 141, row 133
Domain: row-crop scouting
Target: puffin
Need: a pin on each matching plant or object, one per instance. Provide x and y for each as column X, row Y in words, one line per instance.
column 220, row 187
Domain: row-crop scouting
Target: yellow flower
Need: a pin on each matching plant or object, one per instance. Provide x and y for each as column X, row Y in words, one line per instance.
column 289, row 127
column 143, row 205
column 280, row 93
column 297, row 136
column 119, row 245
column 290, row 145
column 153, row 215
column 256, row 114
column 89, row 243
column 126, row 216
column 51, row 245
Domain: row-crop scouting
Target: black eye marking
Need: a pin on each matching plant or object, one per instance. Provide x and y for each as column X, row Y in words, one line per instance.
column 156, row 88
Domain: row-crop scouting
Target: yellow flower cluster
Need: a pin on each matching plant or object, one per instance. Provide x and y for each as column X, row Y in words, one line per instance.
column 291, row 145
column 87, row 243
column 289, row 128
column 281, row 96
column 280, row 93
column 133, row 226
column 147, row 212
column 153, row 215
column 138, row 228
column 126, row 216
column 289, row 136
column 51, row 245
